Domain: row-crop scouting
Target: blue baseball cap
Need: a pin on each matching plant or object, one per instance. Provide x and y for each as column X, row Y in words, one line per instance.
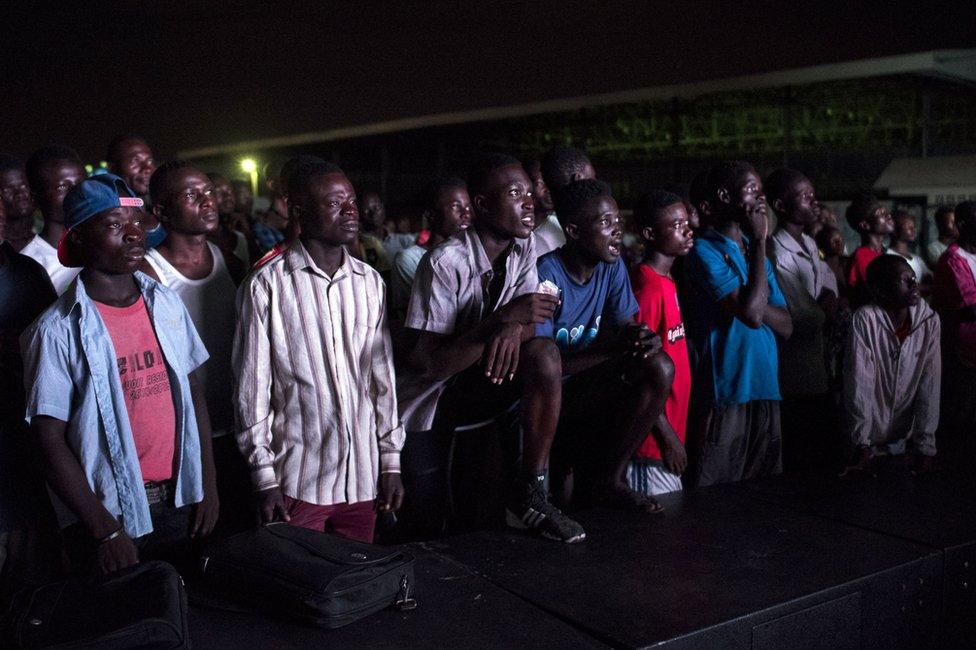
column 89, row 198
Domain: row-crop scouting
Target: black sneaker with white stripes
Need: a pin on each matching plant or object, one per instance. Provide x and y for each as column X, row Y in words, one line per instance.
column 529, row 509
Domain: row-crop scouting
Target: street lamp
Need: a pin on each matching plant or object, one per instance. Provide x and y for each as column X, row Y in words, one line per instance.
column 250, row 167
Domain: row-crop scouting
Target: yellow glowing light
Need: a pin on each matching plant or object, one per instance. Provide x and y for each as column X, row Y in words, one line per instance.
column 89, row 169
column 249, row 166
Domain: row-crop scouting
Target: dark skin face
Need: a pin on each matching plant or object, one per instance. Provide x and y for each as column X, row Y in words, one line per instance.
column 746, row 193
column 900, row 291
column 597, row 230
column 452, row 212
column 190, row 206
column 225, row 198
column 878, row 222
column 135, row 165
column 329, row 213
column 371, row 211
column 966, row 231
column 799, row 206
column 947, row 226
column 905, row 230
column 540, row 192
column 16, row 194
column 836, row 242
column 112, row 242
column 56, row 180
column 671, row 234
column 506, row 206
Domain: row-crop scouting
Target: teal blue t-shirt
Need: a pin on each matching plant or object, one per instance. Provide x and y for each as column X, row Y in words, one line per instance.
column 579, row 316
column 744, row 360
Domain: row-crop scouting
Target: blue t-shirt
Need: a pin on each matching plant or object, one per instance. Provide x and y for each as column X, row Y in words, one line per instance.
column 744, row 360
column 577, row 320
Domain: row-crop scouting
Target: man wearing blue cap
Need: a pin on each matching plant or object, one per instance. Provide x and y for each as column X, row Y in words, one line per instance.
column 112, row 393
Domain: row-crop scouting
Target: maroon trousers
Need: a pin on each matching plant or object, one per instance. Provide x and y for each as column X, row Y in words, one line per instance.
column 352, row 520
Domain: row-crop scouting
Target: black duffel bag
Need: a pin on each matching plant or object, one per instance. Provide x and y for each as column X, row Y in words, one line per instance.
column 305, row 574
column 143, row 606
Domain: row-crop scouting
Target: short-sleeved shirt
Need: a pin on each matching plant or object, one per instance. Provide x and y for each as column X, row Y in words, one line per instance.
column 70, row 370
column 25, row 292
column 582, row 307
column 857, row 271
column 744, row 360
column 401, row 279
column 657, row 297
column 448, row 298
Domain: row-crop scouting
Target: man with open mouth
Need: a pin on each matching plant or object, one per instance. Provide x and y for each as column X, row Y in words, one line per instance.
column 615, row 382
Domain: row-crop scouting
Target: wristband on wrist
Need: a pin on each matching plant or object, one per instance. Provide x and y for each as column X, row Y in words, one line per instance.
column 111, row 536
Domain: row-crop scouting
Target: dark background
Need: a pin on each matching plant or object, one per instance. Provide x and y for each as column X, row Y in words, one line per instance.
column 193, row 74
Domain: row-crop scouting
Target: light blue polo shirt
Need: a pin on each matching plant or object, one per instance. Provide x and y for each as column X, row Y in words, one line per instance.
column 70, row 374
column 744, row 360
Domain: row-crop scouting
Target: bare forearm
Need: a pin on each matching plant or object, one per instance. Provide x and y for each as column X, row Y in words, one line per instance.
column 754, row 295
column 664, row 434
column 779, row 320
column 451, row 357
column 66, row 477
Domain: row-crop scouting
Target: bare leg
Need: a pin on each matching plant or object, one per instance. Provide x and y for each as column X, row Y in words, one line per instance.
column 540, row 369
column 651, row 380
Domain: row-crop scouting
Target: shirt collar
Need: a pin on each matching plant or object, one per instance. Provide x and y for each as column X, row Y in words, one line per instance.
column 714, row 235
column 481, row 264
column 77, row 295
column 785, row 239
column 297, row 258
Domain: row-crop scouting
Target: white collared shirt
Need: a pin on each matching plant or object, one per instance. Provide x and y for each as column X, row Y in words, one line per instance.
column 316, row 399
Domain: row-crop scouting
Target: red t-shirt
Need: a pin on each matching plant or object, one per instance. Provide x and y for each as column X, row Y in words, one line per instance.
column 657, row 298
column 857, row 271
column 145, row 382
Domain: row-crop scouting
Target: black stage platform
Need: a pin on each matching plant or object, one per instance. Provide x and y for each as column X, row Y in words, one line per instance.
column 819, row 562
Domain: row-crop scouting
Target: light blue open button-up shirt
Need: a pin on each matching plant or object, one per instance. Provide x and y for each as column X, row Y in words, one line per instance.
column 70, row 374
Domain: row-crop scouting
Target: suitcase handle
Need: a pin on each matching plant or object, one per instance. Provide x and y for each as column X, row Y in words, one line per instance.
column 358, row 557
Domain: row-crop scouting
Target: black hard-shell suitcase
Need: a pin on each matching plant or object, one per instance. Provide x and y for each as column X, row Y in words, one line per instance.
column 143, row 606
column 300, row 573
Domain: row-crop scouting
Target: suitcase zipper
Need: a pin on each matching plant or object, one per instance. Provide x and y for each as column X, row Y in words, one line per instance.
column 403, row 601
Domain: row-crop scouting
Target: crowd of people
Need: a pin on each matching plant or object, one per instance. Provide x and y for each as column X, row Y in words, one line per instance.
column 174, row 364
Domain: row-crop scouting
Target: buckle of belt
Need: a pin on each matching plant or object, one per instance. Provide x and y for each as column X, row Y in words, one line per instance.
column 158, row 491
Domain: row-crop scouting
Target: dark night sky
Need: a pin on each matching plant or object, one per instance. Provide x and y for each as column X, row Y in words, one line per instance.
column 189, row 74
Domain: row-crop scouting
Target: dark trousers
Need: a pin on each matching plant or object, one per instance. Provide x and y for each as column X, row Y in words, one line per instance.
column 743, row 441
column 169, row 540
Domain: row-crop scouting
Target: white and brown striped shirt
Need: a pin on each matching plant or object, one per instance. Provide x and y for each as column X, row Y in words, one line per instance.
column 316, row 399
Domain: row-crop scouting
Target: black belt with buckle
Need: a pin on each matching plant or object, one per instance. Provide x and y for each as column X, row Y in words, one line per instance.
column 159, row 491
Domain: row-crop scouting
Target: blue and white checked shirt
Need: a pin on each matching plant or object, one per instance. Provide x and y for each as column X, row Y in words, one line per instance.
column 70, row 373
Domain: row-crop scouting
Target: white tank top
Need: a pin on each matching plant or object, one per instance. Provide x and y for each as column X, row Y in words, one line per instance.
column 210, row 303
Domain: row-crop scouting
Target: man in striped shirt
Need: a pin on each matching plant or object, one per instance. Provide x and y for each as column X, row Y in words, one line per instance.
column 316, row 401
